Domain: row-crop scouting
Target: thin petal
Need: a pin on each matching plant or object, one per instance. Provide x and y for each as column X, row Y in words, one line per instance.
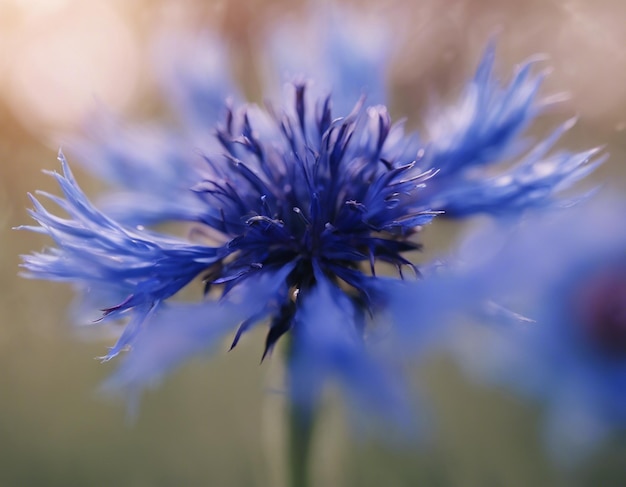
column 327, row 346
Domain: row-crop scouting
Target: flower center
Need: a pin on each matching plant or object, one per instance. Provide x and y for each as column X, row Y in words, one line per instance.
column 601, row 309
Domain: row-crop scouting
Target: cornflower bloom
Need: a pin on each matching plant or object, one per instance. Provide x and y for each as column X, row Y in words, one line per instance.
column 291, row 210
column 565, row 272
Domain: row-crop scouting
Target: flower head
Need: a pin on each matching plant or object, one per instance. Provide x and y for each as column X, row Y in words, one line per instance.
column 566, row 273
column 296, row 199
column 291, row 209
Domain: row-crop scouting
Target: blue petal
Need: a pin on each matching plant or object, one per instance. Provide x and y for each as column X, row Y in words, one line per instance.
column 151, row 168
column 327, row 346
column 195, row 74
column 347, row 53
column 96, row 251
column 485, row 129
column 169, row 334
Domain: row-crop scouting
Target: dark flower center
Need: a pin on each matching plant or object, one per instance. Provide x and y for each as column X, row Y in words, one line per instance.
column 601, row 308
column 323, row 196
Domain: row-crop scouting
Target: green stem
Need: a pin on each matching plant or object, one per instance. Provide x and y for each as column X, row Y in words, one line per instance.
column 301, row 424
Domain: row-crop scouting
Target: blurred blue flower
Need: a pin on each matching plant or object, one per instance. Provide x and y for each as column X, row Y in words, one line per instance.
column 294, row 206
column 348, row 53
column 565, row 272
column 153, row 164
column 291, row 211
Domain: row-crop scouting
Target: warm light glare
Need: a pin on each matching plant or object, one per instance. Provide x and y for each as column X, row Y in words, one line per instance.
column 38, row 7
column 69, row 59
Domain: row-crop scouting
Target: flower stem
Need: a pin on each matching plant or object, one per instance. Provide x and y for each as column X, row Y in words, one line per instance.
column 301, row 423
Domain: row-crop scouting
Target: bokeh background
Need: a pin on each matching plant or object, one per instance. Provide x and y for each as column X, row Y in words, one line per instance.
column 216, row 422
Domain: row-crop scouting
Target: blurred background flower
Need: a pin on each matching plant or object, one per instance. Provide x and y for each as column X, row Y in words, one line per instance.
column 63, row 59
column 565, row 272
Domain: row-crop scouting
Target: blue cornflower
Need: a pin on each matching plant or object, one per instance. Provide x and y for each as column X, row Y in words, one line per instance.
column 565, row 274
column 291, row 210
column 299, row 205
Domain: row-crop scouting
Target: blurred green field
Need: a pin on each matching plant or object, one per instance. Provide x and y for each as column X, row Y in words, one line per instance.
column 217, row 422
